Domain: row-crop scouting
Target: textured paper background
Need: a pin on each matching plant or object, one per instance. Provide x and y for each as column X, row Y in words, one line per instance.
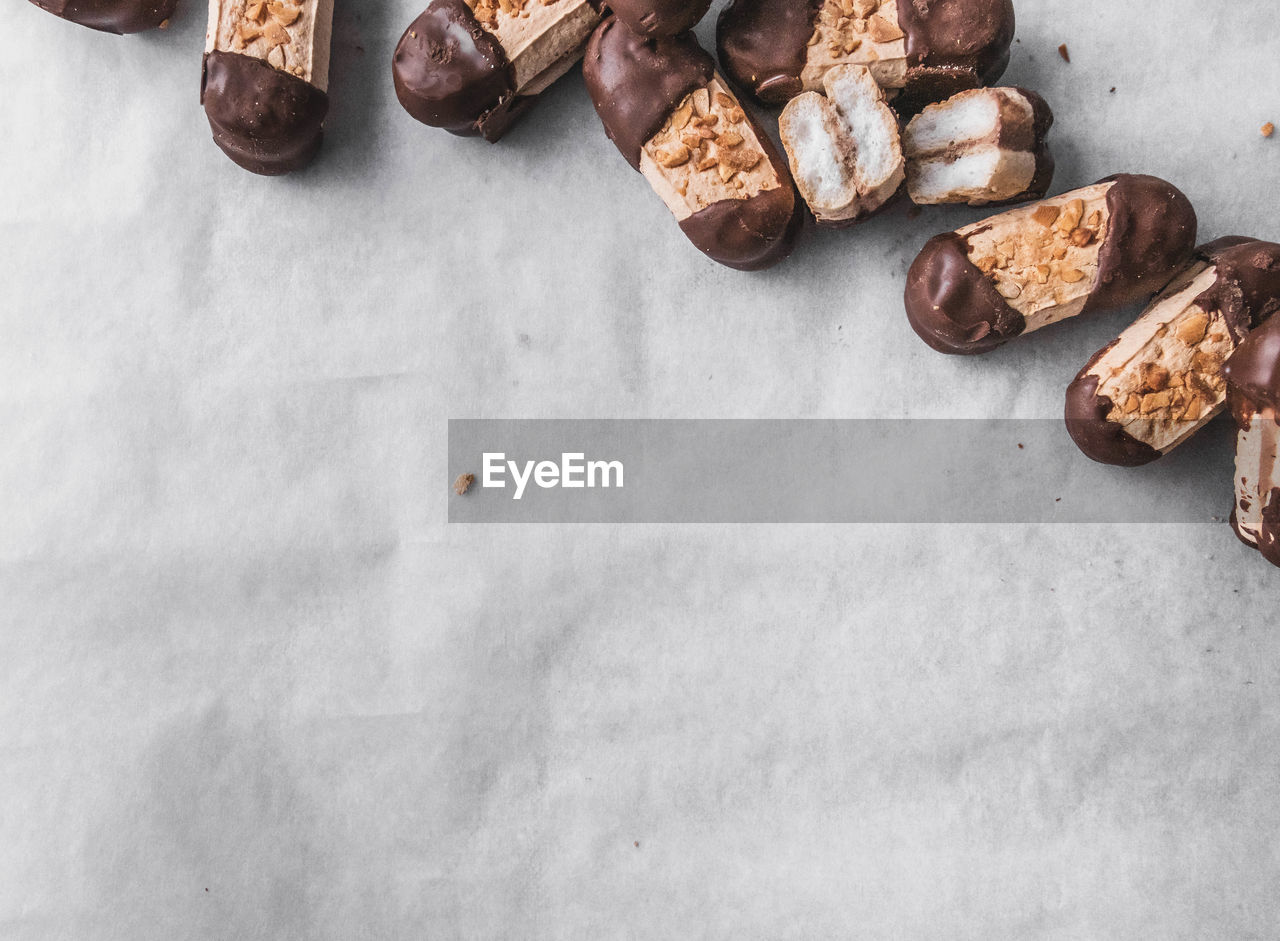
column 252, row 686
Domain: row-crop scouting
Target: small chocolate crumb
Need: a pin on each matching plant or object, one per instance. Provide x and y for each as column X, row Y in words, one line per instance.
column 1019, row 445
column 1113, row 89
column 1268, row 129
column 463, row 483
column 1062, row 51
column 637, row 844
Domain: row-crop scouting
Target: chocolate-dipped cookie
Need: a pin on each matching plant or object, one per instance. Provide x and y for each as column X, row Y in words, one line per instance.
column 677, row 122
column 983, row 147
column 653, row 18
column 922, row 50
column 112, row 16
column 266, row 74
column 1253, row 382
column 1098, row 248
column 475, row 69
column 843, row 147
column 1161, row 380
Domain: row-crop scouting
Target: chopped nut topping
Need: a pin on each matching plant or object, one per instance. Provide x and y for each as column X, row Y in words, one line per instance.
column 284, row 15
column 1192, row 330
column 882, row 30
column 1071, row 215
column 1046, row 215
column 1072, row 275
column 729, row 139
column 1154, row 377
column 1080, row 237
column 675, row 157
column 739, row 159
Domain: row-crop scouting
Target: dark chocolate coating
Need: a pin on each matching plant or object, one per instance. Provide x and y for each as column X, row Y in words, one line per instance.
column 1151, row 233
column 754, row 233
column 956, row 309
column 266, row 120
column 762, row 45
column 1041, row 123
column 1246, row 291
column 635, row 84
column 112, row 16
column 655, row 18
column 1253, row 370
column 452, row 73
column 952, row 305
column 1101, row 440
column 951, row 46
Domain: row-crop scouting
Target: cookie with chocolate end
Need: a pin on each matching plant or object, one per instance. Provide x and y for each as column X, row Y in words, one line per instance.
column 920, row 51
column 983, row 147
column 475, row 68
column 112, row 16
column 1114, row 243
column 843, row 148
column 265, row 80
column 1253, row 382
column 654, row 18
column 1161, row 380
column 678, row 123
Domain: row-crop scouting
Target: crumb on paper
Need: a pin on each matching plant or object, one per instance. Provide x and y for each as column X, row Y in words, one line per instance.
column 463, row 483
column 1268, row 129
column 1020, row 446
column 1113, row 90
column 1062, row 51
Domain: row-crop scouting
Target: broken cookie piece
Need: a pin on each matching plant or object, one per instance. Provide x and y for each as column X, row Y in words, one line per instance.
column 980, row 147
column 1253, row 381
column 920, row 51
column 678, row 123
column 843, row 148
column 1161, row 380
column 265, row 80
column 473, row 67
column 653, row 18
column 112, row 16
column 1098, row 248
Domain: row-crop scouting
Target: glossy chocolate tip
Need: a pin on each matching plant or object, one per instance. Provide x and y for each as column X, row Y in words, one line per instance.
column 451, row 73
column 634, row 83
column 1252, row 372
column 762, row 46
column 656, row 18
column 952, row 306
column 748, row 234
column 1151, row 235
column 112, row 16
column 1099, row 439
column 952, row 46
column 267, row 121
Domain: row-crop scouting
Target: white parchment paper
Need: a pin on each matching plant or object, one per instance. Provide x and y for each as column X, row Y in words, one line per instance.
column 252, row 686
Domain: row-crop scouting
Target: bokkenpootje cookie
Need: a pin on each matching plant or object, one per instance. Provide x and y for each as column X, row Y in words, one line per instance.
column 918, row 51
column 679, row 124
